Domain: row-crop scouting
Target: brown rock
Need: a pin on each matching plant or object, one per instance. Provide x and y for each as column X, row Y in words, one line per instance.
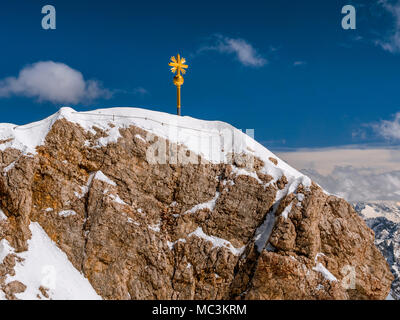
column 141, row 237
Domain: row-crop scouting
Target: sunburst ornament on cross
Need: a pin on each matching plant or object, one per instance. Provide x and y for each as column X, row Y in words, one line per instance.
column 178, row 66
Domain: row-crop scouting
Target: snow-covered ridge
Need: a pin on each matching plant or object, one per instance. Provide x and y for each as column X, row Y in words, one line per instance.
column 45, row 265
column 199, row 136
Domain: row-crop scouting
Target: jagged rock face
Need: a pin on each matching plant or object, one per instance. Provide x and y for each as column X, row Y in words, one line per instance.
column 138, row 230
column 384, row 219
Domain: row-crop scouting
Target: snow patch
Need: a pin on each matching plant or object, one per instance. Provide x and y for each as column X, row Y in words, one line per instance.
column 117, row 199
column 66, row 213
column 325, row 272
column 172, row 244
column 102, row 177
column 82, row 193
column 130, row 220
column 112, row 136
column 46, row 265
column 5, row 249
column 9, row 167
column 217, row 242
column 321, row 269
column 138, row 136
column 2, row 215
column 287, row 210
column 156, row 227
column 243, row 172
column 85, row 189
column 210, row 205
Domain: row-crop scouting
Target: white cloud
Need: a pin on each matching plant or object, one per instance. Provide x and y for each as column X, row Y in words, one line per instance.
column 354, row 174
column 389, row 130
column 359, row 184
column 379, row 131
column 392, row 42
column 245, row 53
column 54, row 82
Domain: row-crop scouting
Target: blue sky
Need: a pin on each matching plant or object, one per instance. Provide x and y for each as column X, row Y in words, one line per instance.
column 284, row 68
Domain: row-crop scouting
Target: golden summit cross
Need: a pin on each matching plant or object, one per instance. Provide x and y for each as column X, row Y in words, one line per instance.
column 178, row 66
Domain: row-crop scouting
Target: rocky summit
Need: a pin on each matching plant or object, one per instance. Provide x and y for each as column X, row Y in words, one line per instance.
column 128, row 203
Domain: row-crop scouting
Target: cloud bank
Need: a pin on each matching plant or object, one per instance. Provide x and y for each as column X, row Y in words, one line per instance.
column 353, row 174
column 359, row 184
column 244, row 52
column 53, row 82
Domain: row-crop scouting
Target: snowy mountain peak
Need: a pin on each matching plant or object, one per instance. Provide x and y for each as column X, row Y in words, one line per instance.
column 148, row 205
column 215, row 141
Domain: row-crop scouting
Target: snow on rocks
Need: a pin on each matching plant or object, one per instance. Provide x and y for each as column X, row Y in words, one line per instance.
column 82, row 193
column 45, row 265
column 172, row 244
column 2, row 215
column 8, row 168
column 85, row 189
column 325, row 272
column 156, row 227
column 5, row 249
column 240, row 171
column 300, row 197
column 321, row 269
column 112, row 136
column 67, row 213
column 117, row 199
column 102, row 177
column 114, row 197
column 217, row 242
column 210, row 205
column 287, row 210
column 27, row 137
column 130, row 220
column 138, row 136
